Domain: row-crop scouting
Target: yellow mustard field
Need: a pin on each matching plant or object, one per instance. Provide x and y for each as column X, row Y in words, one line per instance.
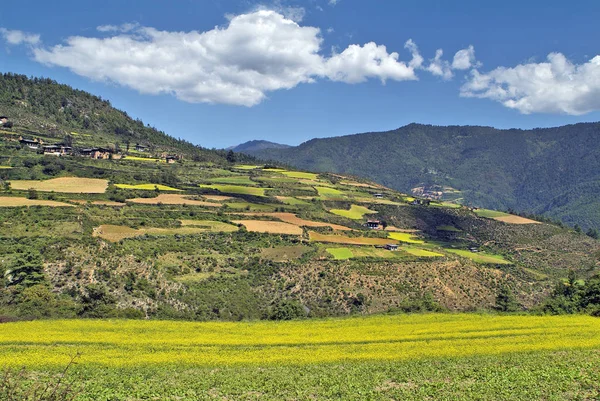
column 122, row 343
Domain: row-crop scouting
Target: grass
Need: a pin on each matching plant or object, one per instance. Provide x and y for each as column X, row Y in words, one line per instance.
column 326, row 192
column 284, row 253
column 340, row 239
column 448, row 228
column 63, row 184
column 480, row 257
column 246, row 167
column 271, row 227
column 405, row 237
column 295, row 220
column 490, row 213
column 340, row 253
column 116, row 233
column 173, row 199
column 239, row 180
column 141, row 159
column 355, row 213
column 288, row 200
column 421, row 252
column 300, row 174
column 5, row 167
column 147, row 187
column 121, row 343
column 247, row 206
column 236, row 189
column 13, row 201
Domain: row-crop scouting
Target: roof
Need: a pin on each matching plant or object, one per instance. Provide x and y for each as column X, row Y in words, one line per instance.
column 373, row 221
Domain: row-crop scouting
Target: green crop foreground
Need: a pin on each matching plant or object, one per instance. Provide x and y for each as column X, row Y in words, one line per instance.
column 377, row 358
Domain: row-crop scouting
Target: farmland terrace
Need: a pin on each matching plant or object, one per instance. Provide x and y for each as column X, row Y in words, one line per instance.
column 203, row 240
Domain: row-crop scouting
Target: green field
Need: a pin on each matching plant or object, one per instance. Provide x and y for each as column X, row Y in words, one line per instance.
column 327, row 192
column 490, row 213
column 421, row 252
column 300, row 174
column 141, row 159
column 405, row 237
column 355, row 213
column 480, row 257
column 239, row 180
column 236, row 189
column 147, row 187
column 414, row 357
column 340, row 253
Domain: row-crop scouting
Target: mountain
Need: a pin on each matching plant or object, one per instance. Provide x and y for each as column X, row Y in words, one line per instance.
column 43, row 108
column 257, row 145
column 550, row 171
column 216, row 235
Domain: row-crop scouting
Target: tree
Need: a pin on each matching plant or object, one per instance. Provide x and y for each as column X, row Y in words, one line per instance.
column 592, row 232
column 231, row 157
column 287, row 309
column 27, row 270
column 32, row 194
column 506, row 301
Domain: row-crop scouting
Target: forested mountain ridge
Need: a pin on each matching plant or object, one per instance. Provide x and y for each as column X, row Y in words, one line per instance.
column 550, row 171
column 256, row 145
column 42, row 107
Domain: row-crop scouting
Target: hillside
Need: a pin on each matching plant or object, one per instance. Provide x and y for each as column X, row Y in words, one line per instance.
column 257, row 145
column 553, row 171
column 130, row 232
column 42, row 108
column 137, row 237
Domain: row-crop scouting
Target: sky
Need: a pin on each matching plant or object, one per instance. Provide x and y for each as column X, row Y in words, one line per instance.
column 221, row 72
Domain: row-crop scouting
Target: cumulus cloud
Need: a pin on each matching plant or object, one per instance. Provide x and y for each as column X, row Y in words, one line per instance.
column 237, row 64
column 554, row 86
column 464, row 59
column 14, row 37
column 439, row 67
column 358, row 63
column 127, row 27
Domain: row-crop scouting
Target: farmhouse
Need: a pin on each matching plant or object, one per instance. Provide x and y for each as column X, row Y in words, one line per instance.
column 378, row 196
column 391, row 247
column 30, row 143
column 3, row 120
column 374, row 224
column 57, row 150
column 98, row 153
column 425, row 202
column 171, row 159
column 141, row 148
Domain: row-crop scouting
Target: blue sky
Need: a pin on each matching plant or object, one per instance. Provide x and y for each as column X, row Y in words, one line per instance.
column 219, row 73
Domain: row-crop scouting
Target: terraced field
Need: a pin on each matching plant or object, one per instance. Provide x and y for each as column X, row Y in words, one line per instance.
column 355, row 212
column 63, row 184
column 236, row 189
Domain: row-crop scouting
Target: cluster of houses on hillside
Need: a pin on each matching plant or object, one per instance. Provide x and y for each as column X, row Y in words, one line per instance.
column 92, row 153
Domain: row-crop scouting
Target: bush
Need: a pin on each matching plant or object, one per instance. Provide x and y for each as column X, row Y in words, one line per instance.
column 287, row 309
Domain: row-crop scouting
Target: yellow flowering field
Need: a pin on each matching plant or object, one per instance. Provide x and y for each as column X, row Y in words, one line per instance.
column 129, row 343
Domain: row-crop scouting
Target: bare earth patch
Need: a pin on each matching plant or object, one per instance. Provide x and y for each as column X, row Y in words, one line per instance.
column 173, row 199
column 516, row 220
column 73, row 185
column 295, row 220
column 217, row 198
column 12, row 201
column 271, row 227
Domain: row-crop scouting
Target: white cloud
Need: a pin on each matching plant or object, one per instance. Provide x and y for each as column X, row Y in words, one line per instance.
column 417, row 59
column 464, row 59
column 333, row 2
column 439, row 67
column 14, row 37
column 358, row 63
column 238, row 64
column 555, row 86
column 330, row 30
column 127, row 27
